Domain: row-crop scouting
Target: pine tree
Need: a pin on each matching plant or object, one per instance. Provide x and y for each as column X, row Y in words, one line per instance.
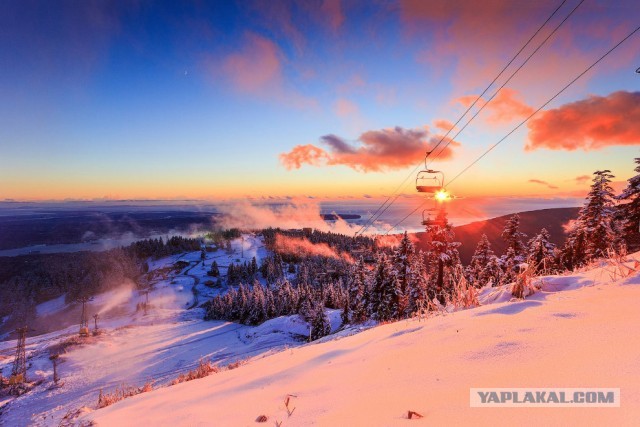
column 629, row 212
column 402, row 261
column 513, row 236
column 257, row 307
column 215, row 270
column 418, row 296
column 515, row 252
column 596, row 227
column 356, row 293
column 345, row 316
column 541, row 253
column 492, row 273
column 319, row 325
column 442, row 253
column 383, row 291
column 253, row 269
column 478, row 274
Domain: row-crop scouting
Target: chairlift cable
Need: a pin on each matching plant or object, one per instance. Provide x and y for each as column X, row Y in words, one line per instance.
column 510, row 77
column 607, row 53
column 373, row 217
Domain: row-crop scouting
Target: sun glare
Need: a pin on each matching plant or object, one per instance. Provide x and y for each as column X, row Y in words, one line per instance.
column 442, row 195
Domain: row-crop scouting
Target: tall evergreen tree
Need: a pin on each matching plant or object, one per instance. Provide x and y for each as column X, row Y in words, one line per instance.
column 418, row 296
column 541, row 252
column 215, row 270
column 383, row 291
column 479, row 262
column 513, row 236
column 492, row 273
column 442, row 253
column 596, row 225
column 629, row 212
column 402, row 264
column 319, row 325
column 357, row 290
column 515, row 252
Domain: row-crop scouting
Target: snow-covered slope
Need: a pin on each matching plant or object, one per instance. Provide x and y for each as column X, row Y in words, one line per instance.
column 579, row 331
column 136, row 348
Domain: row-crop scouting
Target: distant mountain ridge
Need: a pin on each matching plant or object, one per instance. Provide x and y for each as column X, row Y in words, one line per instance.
column 531, row 222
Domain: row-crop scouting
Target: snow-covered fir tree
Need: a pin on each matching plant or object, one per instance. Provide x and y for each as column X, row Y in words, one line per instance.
column 442, row 254
column 345, row 316
column 515, row 252
column 357, row 307
column 403, row 259
column 596, row 226
column 629, row 211
column 215, row 270
column 319, row 325
column 477, row 269
column 419, row 283
column 383, row 305
column 541, row 253
column 257, row 308
column 492, row 273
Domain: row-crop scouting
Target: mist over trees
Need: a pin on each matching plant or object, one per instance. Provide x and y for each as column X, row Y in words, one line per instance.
column 365, row 277
column 400, row 281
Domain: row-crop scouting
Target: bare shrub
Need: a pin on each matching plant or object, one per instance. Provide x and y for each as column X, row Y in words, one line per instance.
column 204, row 368
column 236, row 364
column 465, row 295
column 523, row 286
column 120, row 393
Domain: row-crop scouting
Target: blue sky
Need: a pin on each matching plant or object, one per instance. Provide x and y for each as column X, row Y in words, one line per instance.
column 203, row 99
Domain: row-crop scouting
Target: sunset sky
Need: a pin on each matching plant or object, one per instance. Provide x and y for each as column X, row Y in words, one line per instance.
column 221, row 99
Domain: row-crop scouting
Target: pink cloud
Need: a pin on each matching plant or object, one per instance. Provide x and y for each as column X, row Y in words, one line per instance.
column 344, row 108
column 255, row 67
column 379, row 150
column 505, row 107
column 332, row 9
column 303, row 154
column 589, row 124
column 476, row 39
column 444, row 125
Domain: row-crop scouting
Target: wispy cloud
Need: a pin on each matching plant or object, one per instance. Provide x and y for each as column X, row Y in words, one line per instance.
column 505, row 107
column 256, row 68
column 545, row 183
column 582, row 179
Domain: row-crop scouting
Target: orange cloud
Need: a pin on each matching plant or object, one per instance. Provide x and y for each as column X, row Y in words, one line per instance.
column 445, row 125
column 503, row 108
column 506, row 107
column 545, row 183
column 589, row 124
column 384, row 149
column 582, row 179
column 301, row 154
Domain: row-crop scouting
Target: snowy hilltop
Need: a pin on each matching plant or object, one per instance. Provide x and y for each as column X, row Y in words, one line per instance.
column 576, row 330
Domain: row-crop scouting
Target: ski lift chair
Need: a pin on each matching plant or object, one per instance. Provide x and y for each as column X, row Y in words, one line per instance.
column 429, row 181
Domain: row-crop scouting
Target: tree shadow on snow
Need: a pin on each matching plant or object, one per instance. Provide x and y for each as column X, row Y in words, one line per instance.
column 513, row 308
